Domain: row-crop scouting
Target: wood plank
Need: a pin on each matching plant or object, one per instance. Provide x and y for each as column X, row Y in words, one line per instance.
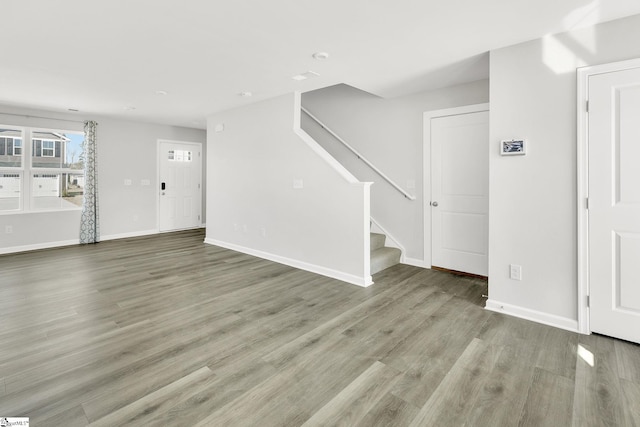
column 427, row 356
column 631, row 396
column 628, row 358
column 597, row 390
column 547, row 401
column 558, row 352
column 502, row 393
column 231, row 383
column 452, row 402
column 389, row 411
column 334, row 327
column 74, row 417
column 353, row 403
column 139, row 411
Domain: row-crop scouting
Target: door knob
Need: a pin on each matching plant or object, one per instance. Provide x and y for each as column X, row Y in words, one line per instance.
column 434, row 204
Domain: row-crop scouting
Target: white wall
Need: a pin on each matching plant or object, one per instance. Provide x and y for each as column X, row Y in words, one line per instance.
column 389, row 133
column 125, row 150
column 253, row 207
column 128, row 150
column 533, row 214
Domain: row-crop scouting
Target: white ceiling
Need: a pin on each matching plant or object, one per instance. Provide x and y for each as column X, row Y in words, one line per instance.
column 102, row 56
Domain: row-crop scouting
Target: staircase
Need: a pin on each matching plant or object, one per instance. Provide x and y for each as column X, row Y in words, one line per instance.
column 382, row 257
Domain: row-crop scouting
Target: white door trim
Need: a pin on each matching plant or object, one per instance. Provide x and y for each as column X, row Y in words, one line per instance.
column 426, row 166
column 583, row 181
column 175, row 141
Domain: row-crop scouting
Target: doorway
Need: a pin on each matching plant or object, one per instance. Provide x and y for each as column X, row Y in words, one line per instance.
column 609, row 209
column 457, row 189
column 180, row 185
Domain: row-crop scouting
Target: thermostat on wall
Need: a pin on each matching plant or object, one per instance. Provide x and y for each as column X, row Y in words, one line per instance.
column 513, row 147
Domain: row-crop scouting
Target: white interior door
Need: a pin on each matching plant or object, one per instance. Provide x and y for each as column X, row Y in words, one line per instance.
column 180, row 181
column 459, row 192
column 614, row 203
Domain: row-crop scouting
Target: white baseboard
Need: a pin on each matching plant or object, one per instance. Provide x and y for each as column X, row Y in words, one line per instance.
column 533, row 315
column 127, row 235
column 416, row 262
column 47, row 245
column 324, row 271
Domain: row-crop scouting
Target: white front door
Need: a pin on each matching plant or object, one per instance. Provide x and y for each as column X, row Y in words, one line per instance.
column 460, row 192
column 180, row 185
column 614, row 203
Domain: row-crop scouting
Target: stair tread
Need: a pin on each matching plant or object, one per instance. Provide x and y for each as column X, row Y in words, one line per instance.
column 385, row 249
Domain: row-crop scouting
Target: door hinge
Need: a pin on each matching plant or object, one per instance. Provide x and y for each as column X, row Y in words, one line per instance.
column 587, row 105
column 588, row 301
column 586, row 203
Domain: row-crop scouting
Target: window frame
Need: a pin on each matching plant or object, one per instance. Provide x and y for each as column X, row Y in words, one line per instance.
column 27, row 171
column 42, row 147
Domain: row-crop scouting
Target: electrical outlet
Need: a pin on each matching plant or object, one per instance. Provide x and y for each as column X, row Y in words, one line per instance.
column 515, row 272
column 8, row 229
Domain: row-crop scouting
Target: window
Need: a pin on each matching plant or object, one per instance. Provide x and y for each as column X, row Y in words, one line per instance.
column 52, row 180
column 179, row 156
column 48, row 148
column 17, row 147
column 10, row 147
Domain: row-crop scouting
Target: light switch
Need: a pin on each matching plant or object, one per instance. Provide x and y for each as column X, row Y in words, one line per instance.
column 515, row 272
column 298, row 183
column 219, row 127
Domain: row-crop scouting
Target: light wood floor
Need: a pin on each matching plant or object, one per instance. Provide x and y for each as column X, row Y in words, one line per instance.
column 166, row 330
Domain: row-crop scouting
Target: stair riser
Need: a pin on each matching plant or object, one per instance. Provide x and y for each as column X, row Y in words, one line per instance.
column 384, row 258
column 377, row 241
